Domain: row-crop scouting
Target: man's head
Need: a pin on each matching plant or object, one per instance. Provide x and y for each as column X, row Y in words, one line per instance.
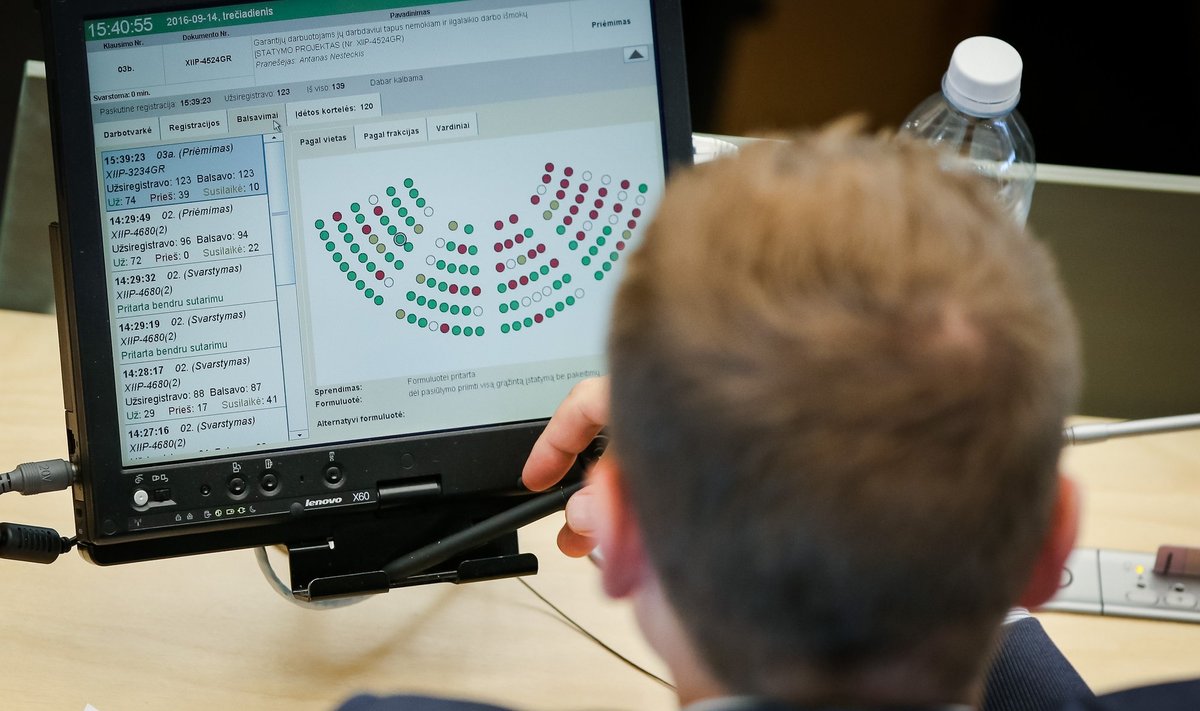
column 839, row 376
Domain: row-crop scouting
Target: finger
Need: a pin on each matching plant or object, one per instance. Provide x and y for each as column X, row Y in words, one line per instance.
column 578, row 419
column 573, row 544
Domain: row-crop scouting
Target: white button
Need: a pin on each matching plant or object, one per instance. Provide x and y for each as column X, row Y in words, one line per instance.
column 1142, row 597
column 1178, row 599
column 140, row 497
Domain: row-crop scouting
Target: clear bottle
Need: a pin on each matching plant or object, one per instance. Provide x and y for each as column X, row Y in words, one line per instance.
column 974, row 119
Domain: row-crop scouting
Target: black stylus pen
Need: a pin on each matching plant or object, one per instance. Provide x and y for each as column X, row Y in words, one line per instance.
column 482, row 532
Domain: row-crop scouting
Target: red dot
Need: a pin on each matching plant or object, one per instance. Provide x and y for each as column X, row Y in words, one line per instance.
column 512, row 283
column 499, row 224
column 532, row 254
column 454, row 288
column 564, row 183
column 624, row 184
column 499, row 267
column 476, row 291
column 560, row 195
column 618, row 207
column 549, row 167
column 579, row 236
column 574, row 210
column 546, row 179
column 337, row 216
column 445, row 328
column 583, row 188
column 541, row 248
column 508, row 243
column 578, row 199
column 538, row 317
column 499, row 247
column 512, row 219
column 568, row 171
column 379, row 275
column 462, row 249
column 534, row 199
column 366, row 229
column 620, row 246
column 567, row 220
column 554, row 263
column 518, row 238
column 524, row 280
column 378, row 210
column 599, row 204
column 637, row 212
column 593, row 214
column 603, row 192
column 632, row 224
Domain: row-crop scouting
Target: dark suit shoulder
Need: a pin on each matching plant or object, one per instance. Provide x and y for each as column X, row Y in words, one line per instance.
column 1176, row 696
column 414, row 703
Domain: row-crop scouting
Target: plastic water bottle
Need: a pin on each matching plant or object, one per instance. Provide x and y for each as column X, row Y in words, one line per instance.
column 974, row 120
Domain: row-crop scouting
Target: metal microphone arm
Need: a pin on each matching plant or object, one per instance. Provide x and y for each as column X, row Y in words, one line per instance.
column 1099, row 432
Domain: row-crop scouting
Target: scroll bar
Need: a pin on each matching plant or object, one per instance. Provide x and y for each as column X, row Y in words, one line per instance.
column 285, row 286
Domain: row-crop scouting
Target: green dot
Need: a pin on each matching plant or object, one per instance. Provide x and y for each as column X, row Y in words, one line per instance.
column 472, row 250
column 441, row 264
column 360, row 218
column 528, row 232
column 586, row 261
column 399, row 264
column 392, row 231
column 408, row 182
column 384, row 219
column 423, row 322
column 469, row 229
column 643, row 188
column 444, row 308
column 456, row 330
column 557, row 284
column 549, row 313
column 468, row 331
column 388, row 256
column 514, row 305
column 504, row 328
column 403, row 212
column 324, row 234
column 355, row 207
column 410, row 221
column 431, row 283
column 351, row 276
column 479, row 331
column 362, row 258
column 607, row 266
column 533, row 276
column 516, row 325
column 547, row 215
column 371, row 267
column 593, row 250
column 607, row 230
column 442, row 286
column 561, row 230
column 452, row 268
column 559, row 306
column 614, row 256
column 319, row 224
column 342, row 227
column 573, row 245
column 566, row 278
column 395, row 202
column 379, row 301
column 421, row 301
column 329, row 246
column 432, row 303
column 413, row 193
column 528, row 322
column 450, row 246
column 599, row 276
column 412, row 318
column 369, row 293
column 453, row 225
column 455, row 310
column 544, row 270
column 474, row 271
column 349, row 239
column 408, row 246
column 570, row 301
column 411, row 296
column 391, row 191
column 344, row 267
column 501, row 288
column 355, row 248
column 600, row 241
column 420, row 202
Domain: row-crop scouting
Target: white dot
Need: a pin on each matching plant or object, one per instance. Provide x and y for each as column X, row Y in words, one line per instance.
column 546, row 291
column 511, row 264
column 640, row 199
column 587, row 226
column 441, row 243
column 434, row 325
column 478, row 311
column 526, row 301
column 429, row 212
column 612, row 219
column 374, row 199
column 430, row 260
column 587, row 175
column 622, row 196
column 389, row 282
column 541, row 190
column 579, row 293
column 606, row 179
column 537, row 296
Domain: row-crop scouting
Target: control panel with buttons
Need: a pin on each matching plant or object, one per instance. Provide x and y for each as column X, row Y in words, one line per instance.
column 1123, row 583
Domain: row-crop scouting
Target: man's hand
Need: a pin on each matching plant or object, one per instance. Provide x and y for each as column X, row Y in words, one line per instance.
column 576, row 422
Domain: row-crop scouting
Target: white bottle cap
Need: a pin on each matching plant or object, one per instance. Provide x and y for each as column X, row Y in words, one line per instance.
column 984, row 78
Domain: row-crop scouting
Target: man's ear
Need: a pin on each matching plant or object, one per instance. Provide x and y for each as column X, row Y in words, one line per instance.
column 617, row 532
column 1059, row 541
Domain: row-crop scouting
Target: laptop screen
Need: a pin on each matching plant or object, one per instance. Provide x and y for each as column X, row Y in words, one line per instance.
column 327, row 222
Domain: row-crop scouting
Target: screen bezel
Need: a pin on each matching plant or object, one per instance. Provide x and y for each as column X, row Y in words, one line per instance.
column 496, row 451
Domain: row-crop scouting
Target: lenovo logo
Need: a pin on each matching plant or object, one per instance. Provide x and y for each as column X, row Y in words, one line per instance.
column 314, row 503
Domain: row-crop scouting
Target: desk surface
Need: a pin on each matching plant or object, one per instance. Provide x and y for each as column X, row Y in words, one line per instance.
column 207, row 632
